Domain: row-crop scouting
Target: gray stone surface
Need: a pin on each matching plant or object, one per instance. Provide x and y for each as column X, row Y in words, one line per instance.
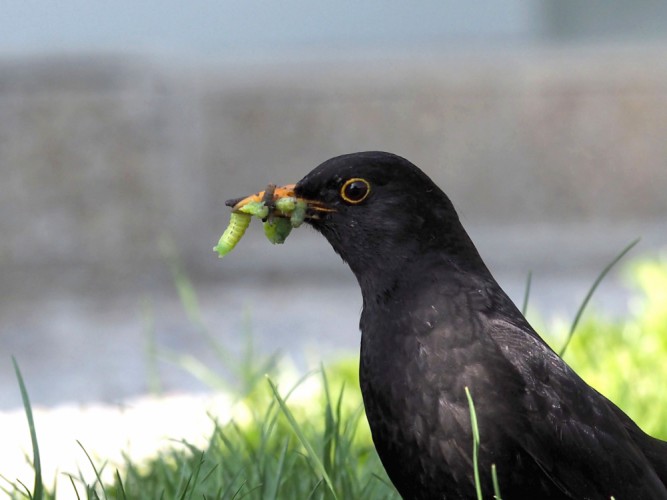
column 103, row 159
column 113, row 168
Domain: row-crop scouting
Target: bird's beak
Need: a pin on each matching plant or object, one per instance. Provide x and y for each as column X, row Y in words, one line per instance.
column 271, row 198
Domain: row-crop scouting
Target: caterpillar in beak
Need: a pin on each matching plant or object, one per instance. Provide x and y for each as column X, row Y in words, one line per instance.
column 279, row 214
column 238, row 223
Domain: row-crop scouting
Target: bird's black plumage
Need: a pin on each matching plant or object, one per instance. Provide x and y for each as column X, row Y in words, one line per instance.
column 435, row 321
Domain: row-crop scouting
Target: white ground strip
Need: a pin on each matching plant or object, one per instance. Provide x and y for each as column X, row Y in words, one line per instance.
column 139, row 427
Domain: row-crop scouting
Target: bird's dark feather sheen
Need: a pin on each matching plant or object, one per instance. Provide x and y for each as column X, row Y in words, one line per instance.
column 435, row 321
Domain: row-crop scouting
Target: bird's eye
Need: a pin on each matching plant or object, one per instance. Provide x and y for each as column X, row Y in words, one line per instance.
column 355, row 190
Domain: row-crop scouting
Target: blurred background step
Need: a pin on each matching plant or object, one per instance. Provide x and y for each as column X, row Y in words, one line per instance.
column 122, row 134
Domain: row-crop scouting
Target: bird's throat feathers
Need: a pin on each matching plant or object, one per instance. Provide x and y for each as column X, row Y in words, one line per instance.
column 381, row 248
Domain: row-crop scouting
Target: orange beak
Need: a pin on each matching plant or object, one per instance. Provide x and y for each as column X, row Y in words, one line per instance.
column 269, row 196
column 272, row 194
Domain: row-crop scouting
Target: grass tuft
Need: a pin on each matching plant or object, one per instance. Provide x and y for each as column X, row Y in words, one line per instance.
column 316, row 462
column 314, row 442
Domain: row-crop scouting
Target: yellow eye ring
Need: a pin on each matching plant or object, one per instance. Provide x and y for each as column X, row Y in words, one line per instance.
column 355, row 190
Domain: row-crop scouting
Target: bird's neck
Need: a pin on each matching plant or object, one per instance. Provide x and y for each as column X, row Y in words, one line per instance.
column 381, row 277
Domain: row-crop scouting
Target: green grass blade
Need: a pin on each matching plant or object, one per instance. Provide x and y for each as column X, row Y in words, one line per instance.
column 496, row 486
column 273, row 486
column 475, row 445
column 120, row 489
column 5, row 490
column 27, row 490
column 329, row 426
column 526, row 293
column 97, row 472
column 196, row 368
column 76, row 491
column 591, row 291
column 195, row 478
column 302, row 438
column 314, row 490
column 38, row 488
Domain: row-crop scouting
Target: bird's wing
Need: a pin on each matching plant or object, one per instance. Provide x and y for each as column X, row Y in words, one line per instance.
column 654, row 449
column 574, row 433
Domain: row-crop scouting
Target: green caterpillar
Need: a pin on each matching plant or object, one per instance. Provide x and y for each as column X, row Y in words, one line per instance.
column 293, row 207
column 256, row 208
column 277, row 230
column 238, row 223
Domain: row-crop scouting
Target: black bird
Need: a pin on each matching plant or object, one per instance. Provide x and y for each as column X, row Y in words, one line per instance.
column 434, row 322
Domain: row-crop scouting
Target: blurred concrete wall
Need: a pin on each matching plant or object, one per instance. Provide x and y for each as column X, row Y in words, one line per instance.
column 102, row 159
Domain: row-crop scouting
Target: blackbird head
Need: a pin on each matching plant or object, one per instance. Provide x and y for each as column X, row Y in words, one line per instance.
column 381, row 214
